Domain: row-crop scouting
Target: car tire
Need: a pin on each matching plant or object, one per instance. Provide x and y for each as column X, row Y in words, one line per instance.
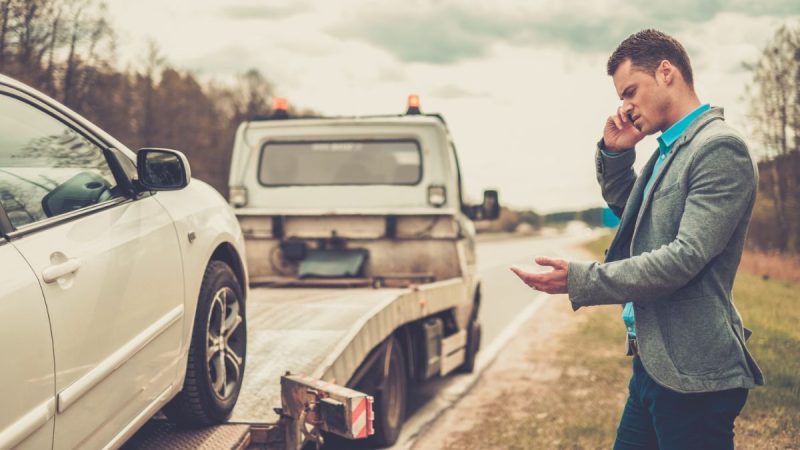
column 212, row 383
column 390, row 399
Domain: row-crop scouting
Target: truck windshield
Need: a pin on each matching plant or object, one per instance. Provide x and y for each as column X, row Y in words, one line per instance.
column 315, row 163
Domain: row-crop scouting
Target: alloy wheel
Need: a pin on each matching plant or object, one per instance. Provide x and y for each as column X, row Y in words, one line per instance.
column 224, row 343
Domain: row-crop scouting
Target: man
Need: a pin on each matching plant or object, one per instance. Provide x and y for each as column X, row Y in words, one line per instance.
column 674, row 258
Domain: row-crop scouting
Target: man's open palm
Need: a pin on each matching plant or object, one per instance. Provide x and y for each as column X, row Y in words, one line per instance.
column 553, row 282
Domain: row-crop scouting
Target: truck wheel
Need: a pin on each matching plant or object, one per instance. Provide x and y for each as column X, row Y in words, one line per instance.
column 473, row 345
column 216, row 353
column 390, row 399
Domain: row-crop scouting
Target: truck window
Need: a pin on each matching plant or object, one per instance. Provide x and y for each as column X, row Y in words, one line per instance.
column 350, row 162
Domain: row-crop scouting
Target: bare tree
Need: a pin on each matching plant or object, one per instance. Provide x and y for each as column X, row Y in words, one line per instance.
column 253, row 94
column 775, row 120
column 5, row 17
column 153, row 63
column 89, row 28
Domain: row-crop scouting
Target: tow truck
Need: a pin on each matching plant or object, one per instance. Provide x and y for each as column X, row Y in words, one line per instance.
column 361, row 259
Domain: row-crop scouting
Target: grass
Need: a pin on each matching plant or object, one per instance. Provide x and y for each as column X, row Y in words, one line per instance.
column 772, row 310
column 580, row 406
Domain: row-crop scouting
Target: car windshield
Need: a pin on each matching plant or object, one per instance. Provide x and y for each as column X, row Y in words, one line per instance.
column 316, row 163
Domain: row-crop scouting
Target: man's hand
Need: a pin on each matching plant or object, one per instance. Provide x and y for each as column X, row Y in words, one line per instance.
column 619, row 133
column 553, row 282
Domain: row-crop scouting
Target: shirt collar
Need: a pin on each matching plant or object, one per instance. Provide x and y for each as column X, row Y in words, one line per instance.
column 672, row 134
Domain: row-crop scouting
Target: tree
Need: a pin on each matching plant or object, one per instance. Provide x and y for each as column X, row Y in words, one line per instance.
column 775, row 119
column 5, row 19
column 254, row 95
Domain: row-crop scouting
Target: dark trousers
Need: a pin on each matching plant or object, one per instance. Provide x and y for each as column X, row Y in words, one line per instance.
column 658, row 418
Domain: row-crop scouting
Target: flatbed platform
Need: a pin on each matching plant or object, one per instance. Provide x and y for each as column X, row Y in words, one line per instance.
column 158, row 433
column 325, row 333
column 298, row 330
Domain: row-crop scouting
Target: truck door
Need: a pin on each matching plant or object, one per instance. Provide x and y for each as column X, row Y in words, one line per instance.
column 109, row 268
column 26, row 378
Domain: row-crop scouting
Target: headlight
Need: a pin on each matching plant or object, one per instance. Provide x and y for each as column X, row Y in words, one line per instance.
column 237, row 196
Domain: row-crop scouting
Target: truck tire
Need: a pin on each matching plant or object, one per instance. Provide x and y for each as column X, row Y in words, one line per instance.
column 390, row 399
column 472, row 348
column 212, row 383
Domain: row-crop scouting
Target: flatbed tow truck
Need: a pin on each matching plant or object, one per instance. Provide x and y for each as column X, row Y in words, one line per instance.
column 361, row 259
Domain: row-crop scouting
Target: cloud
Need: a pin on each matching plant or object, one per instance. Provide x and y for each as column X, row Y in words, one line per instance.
column 260, row 11
column 225, row 60
column 392, row 74
column 452, row 92
column 446, row 32
column 437, row 35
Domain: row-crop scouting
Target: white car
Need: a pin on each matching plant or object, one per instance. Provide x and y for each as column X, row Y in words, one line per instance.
column 123, row 284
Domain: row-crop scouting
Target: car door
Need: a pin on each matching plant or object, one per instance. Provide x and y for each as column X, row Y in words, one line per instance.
column 26, row 378
column 109, row 268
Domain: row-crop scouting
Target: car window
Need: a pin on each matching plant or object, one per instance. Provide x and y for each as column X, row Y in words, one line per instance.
column 46, row 167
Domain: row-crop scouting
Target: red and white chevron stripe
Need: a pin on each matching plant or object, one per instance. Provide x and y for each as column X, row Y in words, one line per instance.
column 362, row 418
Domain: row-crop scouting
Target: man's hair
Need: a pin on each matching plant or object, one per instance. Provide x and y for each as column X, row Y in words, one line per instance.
column 646, row 49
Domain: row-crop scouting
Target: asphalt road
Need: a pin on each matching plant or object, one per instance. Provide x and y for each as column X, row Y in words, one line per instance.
column 504, row 298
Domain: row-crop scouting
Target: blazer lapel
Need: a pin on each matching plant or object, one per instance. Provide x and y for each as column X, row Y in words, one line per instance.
column 629, row 214
column 661, row 171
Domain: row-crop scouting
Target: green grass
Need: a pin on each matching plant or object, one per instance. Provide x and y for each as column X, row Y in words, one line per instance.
column 772, row 310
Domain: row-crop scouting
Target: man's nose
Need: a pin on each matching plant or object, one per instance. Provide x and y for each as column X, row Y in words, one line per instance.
column 626, row 107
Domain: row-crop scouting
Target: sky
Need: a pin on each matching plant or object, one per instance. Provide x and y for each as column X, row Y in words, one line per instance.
column 521, row 83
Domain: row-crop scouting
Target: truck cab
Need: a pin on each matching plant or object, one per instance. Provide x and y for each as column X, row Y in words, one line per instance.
column 393, row 179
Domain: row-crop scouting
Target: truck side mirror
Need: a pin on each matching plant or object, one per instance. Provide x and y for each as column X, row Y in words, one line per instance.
column 491, row 205
column 161, row 169
column 488, row 210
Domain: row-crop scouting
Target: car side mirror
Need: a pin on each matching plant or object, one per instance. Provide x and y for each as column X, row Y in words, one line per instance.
column 491, row 205
column 161, row 169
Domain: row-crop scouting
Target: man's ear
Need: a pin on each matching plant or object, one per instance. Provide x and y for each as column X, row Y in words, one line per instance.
column 666, row 72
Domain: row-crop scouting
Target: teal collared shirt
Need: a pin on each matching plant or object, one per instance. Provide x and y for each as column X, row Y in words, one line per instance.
column 665, row 143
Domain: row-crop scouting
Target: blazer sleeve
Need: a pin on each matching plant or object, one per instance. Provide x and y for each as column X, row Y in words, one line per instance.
column 616, row 177
column 721, row 188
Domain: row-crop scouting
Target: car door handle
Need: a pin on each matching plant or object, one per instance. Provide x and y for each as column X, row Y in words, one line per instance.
column 53, row 273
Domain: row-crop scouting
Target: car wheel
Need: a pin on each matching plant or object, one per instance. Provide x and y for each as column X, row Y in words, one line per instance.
column 217, row 352
column 390, row 399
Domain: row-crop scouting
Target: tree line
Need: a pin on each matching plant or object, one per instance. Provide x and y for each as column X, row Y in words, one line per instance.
column 774, row 97
column 66, row 49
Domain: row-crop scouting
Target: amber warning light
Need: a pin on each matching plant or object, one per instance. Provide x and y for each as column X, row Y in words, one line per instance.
column 280, row 108
column 280, row 103
column 413, row 104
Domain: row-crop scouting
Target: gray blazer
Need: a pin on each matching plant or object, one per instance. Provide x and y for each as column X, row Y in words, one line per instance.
column 675, row 256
